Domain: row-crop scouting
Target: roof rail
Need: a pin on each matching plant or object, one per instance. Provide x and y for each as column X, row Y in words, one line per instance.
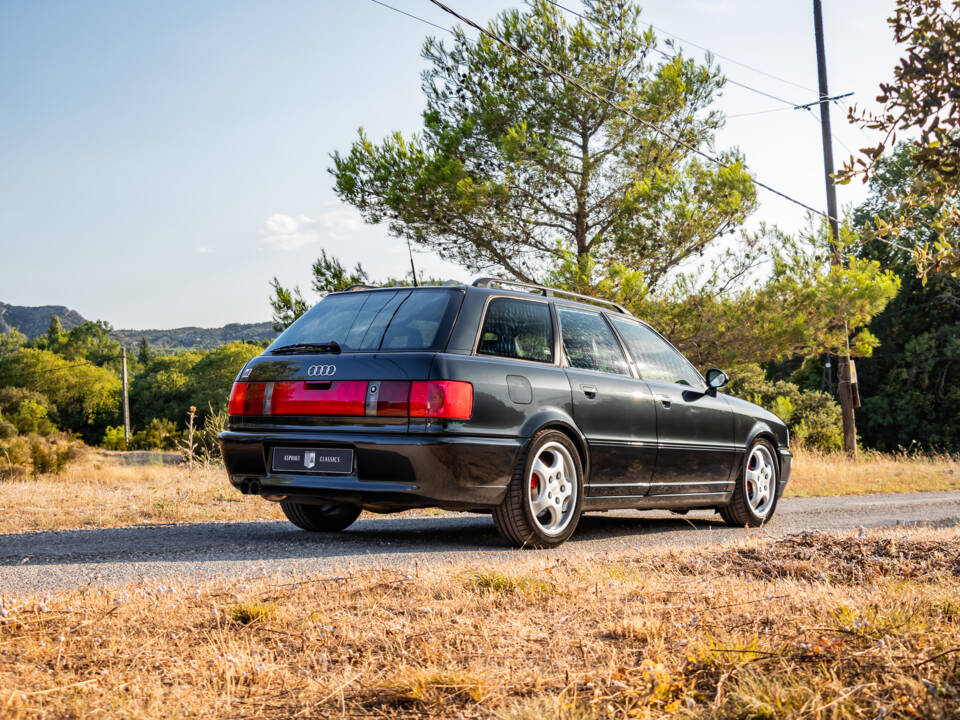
column 361, row 286
column 486, row 282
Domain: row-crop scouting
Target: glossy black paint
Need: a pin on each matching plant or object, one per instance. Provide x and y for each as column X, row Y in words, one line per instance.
column 643, row 444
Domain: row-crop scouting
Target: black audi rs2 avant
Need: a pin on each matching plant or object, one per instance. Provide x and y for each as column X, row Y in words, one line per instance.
column 529, row 403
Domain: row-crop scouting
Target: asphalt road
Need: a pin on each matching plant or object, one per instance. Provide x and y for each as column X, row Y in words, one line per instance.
column 46, row 561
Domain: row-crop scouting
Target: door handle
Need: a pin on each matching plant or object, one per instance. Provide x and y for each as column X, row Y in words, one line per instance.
column 589, row 390
column 665, row 401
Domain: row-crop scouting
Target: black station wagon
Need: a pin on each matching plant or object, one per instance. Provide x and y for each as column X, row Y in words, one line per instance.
column 529, row 403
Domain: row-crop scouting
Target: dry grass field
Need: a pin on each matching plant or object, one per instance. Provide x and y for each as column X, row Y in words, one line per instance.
column 813, row 626
column 102, row 490
column 817, row 473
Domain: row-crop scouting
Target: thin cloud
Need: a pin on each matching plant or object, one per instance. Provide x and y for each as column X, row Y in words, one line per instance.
column 288, row 232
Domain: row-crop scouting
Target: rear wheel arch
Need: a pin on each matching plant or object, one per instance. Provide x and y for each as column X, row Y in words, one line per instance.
column 579, row 442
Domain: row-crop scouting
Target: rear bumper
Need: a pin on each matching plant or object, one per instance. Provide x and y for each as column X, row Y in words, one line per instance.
column 391, row 471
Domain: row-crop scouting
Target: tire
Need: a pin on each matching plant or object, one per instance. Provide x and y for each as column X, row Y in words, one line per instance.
column 555, row 485
column 333, row 517
column 755, row 495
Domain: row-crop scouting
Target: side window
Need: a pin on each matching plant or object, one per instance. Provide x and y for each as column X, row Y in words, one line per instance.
column 656, row 359
column 517, row 329
column 589, row 343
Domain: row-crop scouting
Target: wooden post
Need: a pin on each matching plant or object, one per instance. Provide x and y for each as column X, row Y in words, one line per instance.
column 126, row 401
column 843, row 374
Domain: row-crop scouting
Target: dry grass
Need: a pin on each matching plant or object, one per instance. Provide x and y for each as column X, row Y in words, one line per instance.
column 813, row 626
column 101, row 491
column 816, row 473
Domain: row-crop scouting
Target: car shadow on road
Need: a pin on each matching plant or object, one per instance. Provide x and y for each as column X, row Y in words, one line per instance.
column 393, row 535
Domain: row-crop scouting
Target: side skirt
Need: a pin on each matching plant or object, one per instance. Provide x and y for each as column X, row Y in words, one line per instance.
column 653, row 502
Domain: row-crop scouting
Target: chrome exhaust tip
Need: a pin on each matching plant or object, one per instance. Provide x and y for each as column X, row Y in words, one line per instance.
column 254, row 487
column 245, row 487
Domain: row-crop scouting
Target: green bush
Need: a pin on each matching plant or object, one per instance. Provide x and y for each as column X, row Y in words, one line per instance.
column 113, row 438
column 29, row 411
column 812, row 416
column 159, row 434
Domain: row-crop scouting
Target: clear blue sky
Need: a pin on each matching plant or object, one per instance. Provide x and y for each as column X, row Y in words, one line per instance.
column 160, row 162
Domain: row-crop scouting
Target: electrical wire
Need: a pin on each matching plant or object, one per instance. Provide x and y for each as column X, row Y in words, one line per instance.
column 412, row 16
column 19, row 375
column 614, row 105
column 706, row 49
column 758, row 112
column 626, row 111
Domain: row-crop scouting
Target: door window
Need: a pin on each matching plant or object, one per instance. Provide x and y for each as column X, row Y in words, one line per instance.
column 656, row 359
column 589, row 343
column 519, row 329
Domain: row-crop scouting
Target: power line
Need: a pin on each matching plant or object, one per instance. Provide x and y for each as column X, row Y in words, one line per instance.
column 706, row 49
column 59, row 369
column 412, row 16
column 759, row 112
column 614, row 105
column 587, row 91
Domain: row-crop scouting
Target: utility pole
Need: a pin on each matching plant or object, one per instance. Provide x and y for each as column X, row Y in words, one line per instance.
column 843, row 375
column 126, row 400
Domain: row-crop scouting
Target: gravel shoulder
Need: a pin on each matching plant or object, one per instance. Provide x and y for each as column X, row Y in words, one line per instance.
column 49, row 561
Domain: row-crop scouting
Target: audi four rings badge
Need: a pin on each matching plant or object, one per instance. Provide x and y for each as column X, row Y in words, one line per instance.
column 321, row 370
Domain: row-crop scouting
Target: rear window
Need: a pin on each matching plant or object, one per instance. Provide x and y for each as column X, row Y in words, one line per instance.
column 401, row 319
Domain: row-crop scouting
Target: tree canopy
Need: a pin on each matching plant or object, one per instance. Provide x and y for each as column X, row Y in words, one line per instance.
column 516, row 170
column 923, row 100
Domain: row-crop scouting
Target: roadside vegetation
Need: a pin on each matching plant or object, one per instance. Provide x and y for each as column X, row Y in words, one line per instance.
column 115, row 489
column 808, row 626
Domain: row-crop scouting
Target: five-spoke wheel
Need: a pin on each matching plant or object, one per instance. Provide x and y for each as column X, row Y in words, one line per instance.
column 542, row 505
column 755, row 494
column 553, row 495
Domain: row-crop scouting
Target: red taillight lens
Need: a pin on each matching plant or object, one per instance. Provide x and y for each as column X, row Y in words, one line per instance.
column 392, row 399
column 247, row 398
column 451, row 399
column 344, row 397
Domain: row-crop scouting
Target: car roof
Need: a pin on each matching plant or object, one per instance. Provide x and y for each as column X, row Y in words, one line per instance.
column 503, row 288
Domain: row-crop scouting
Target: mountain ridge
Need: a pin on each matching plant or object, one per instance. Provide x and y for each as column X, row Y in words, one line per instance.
column 33, row 321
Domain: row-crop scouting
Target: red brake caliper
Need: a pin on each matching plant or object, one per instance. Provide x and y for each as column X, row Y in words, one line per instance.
column 533, row 483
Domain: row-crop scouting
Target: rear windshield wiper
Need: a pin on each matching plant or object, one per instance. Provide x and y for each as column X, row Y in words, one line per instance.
column 327, row 347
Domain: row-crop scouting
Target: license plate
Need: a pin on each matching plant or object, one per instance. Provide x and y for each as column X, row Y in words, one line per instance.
column 318, row 460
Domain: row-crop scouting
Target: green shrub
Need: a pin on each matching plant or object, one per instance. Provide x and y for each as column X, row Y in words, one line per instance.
column 27, row 410
column 159, row 434
column 812, row 416
column 113, row 438
column 31, row 418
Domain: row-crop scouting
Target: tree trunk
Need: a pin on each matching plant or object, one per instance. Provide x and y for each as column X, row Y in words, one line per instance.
column 846, row 408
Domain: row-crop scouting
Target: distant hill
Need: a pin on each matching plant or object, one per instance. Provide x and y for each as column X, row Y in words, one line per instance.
column 33, row 322
column 196, row 337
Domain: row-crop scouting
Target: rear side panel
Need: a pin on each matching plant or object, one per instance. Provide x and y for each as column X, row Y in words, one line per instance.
column 506, row 394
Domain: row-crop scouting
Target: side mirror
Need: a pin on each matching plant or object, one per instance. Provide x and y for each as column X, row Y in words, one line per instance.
column 716, row 379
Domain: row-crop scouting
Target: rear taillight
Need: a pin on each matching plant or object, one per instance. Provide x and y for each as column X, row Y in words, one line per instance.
column 450, row 399
column 247, row 398
column 340, row 397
